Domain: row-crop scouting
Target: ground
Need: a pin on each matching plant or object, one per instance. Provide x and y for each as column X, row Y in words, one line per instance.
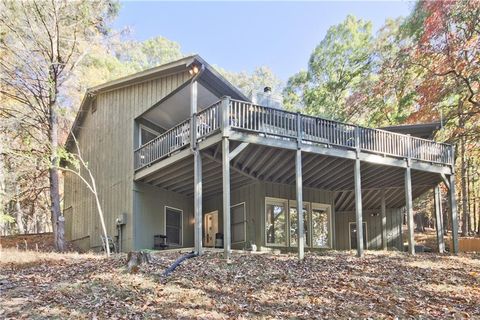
column 332, row 284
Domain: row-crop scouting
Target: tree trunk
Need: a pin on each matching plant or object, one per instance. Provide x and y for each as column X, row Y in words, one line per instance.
column 58, row 224
column 463, row 177
column 18, row 211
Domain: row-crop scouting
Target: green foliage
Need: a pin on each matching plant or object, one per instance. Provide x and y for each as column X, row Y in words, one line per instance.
column 6, row 218
column 336, row 68
column 253, row 82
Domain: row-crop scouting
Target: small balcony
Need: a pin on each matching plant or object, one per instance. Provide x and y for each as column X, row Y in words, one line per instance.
column 229, row 115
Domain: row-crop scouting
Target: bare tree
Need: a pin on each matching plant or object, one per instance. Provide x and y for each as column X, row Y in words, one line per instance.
column 41, row 46
column 75, row 164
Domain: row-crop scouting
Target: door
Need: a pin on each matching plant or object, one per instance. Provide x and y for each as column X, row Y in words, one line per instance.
column 353, row 235
column 211, row 228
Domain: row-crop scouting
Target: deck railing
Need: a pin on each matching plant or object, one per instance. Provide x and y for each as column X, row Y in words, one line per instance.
column 270, row 122
column 163, row 145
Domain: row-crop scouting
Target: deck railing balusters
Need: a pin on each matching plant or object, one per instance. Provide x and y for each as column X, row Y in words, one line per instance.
column 250, row 117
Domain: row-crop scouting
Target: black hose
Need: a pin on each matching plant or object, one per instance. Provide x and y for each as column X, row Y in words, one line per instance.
column 172, row 268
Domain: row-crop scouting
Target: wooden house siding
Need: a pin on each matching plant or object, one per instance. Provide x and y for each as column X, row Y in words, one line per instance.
column 374, row 231
column 149, row 208
column 107, row 141
column 254, row 197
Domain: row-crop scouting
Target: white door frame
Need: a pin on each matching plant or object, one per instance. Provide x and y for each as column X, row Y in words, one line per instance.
column 212, row 213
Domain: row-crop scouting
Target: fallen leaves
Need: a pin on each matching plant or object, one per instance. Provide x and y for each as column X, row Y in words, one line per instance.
column 333, row 284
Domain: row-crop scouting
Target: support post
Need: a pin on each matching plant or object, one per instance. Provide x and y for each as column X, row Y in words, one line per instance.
column 226, row 197
column 298, row 174
column 383, row 209
column 197, row 170
column 198, row 201
column 358, row 195
column 453, row 213
column 439, row 219
column 358, row 208
column 409, row 208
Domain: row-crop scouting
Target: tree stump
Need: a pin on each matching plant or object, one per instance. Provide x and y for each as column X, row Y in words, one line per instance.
column 135, row 259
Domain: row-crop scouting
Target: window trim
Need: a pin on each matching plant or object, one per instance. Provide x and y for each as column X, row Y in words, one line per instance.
column 350, row 234
column 244, row 203
column 277, row 200
column 328, row 207
column 165, row 225
column 293, row 204
column 144, row 127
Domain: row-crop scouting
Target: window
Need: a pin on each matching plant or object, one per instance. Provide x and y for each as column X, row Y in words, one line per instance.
column 321, row 226
column 276, row 222
column 146, row 134
column 294, row 223
column 281, row 229
column 173, row 225
column 238, row 223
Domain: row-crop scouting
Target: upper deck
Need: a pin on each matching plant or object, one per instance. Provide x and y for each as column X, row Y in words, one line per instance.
column 284, row 128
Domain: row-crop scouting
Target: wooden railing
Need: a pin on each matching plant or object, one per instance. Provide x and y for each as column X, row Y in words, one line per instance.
column 270, row 122
column 163, row 145
column 208, row 120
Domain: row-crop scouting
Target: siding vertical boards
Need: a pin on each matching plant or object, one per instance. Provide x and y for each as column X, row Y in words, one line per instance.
column 374, row 241
column 149, row 206
column 254, row 197
column 107, row 144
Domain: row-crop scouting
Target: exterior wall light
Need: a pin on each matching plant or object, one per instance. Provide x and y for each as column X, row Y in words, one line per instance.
column 193, row 69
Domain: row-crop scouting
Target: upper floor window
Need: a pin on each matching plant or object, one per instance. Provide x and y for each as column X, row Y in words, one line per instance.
column 146, row 134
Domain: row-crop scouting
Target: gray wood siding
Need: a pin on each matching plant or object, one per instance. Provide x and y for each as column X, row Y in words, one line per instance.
column 254, row 197
column 149, row 204
column 374, row 239
column 107, row 142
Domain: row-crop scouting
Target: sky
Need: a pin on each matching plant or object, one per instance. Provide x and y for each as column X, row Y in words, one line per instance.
column 240, row 36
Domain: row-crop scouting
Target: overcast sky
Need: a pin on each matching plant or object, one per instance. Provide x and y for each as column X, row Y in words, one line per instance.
column 239, row 36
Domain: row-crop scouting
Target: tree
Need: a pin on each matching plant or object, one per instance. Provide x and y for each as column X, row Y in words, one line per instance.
column 42, row 44
column 447, row 49
column 336, row 67
column 76, row 164
column 256, row 81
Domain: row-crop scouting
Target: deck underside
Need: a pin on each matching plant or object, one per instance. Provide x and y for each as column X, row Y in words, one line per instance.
column 270, row 164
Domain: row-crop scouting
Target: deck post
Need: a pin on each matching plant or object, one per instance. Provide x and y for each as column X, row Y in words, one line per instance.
column 299, row 190
column 439, row 219
column 383, row 209
column 226, row 198
column 197, row 158
column 225, row 124
column 358, row 196
column 409, row 208
column 453, row 213
column 197, row 170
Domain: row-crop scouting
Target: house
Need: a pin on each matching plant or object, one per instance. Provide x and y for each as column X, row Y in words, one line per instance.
column 181, row 155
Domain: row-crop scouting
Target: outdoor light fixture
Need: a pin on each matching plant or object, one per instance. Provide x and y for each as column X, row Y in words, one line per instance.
column 193, row 69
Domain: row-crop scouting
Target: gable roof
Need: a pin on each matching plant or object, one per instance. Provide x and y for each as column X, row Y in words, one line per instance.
column 213, row 80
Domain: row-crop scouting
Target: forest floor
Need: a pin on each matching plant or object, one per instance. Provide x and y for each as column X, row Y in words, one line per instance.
column 331, row 284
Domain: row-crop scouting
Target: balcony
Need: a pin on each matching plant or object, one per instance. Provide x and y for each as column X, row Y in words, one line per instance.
column 240, row 116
